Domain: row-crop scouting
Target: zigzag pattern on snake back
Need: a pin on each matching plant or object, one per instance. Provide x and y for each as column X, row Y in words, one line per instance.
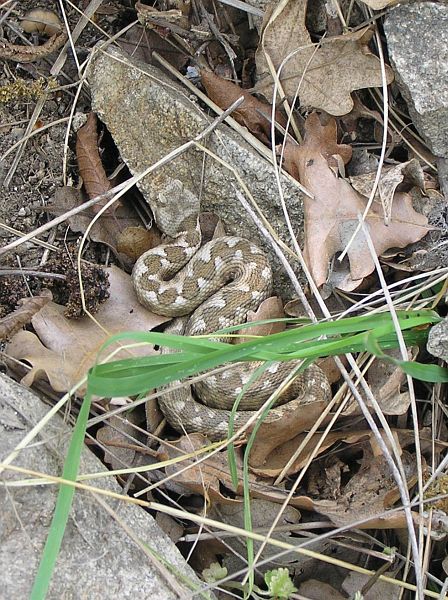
column 217, row 284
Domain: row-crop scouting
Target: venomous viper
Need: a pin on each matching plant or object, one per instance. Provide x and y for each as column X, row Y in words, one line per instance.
column 216, row 285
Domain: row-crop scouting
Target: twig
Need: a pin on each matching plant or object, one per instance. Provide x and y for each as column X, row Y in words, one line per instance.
column 31, row 273
column 24, row 54
column 404, row 353
column 61, row 218
column 383, row 150
column 20, row 233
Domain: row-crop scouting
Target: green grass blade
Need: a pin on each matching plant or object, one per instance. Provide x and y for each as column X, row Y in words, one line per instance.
column 423, row 372
column 63, row 506
column 291, row 344
column 231, row 457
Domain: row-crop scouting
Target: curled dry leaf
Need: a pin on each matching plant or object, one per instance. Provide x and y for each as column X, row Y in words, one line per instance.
column 24, row 54
column 42, row 21
column 66, row 349
column 404, row 175
column 324, row 76
column 333, row 215
column 369, row 492
column 295, row 419
column 252, row 113
column 134, row 241
column 89, row 162
column 386, row 380
column 28, row 307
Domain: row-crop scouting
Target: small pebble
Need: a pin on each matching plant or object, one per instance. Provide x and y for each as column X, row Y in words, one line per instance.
column 17, row 133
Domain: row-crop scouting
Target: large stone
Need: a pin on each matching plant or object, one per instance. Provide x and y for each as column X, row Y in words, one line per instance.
column 98, row 559
column 417, row 41
column 149, row 115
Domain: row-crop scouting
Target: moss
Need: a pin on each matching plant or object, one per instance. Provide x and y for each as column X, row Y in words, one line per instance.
column 26, row 90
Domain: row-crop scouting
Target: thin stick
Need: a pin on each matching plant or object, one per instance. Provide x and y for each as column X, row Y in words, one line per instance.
column 410, row 382
column 61, row 218
column 383, row 150
column 32, row 273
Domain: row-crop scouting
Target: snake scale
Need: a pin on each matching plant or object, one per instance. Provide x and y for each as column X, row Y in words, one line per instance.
column 211, row 287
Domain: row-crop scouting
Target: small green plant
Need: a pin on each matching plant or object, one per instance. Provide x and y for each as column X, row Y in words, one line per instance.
column 280, row 585
column 214, row 573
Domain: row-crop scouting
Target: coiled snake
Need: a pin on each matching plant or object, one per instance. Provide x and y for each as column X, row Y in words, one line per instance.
column 216, row 285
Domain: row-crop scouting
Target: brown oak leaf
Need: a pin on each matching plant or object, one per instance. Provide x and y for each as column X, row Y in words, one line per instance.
column 63, row 349
column 332, row 216
column 252, row 113
column 325, row 76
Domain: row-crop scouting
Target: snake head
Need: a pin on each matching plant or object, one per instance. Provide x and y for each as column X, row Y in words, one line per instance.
column 174, row 207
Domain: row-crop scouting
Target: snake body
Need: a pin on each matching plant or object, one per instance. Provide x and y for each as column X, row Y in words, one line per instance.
column 216, row 285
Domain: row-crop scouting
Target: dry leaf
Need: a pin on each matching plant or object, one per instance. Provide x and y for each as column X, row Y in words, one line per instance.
column 324, row 77
column 405, row 175
column 271, row 308
column 211, row 478
column 106, row 229
column 121, row 437
column 172, row 528
column 333, row 215
column 66, row 349
column 385, row 381
column 89, row 162
column 23, row 314
column 207, row 478
column 370, row 491
column 252, row 113
column 295, row 420
column 134, row 241
column 275, row 461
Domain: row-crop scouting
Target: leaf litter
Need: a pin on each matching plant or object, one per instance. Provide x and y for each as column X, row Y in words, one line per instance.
column 332, row 216
column 62, row 350
column 348, row 478
column 324, row 75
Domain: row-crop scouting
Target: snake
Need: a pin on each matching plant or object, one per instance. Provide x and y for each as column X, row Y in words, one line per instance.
column 208, row 288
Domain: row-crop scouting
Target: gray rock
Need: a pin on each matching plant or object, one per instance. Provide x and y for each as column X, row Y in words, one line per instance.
column 98, row 560
column 417, row 41
column 437, row 344
column 149, row 115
